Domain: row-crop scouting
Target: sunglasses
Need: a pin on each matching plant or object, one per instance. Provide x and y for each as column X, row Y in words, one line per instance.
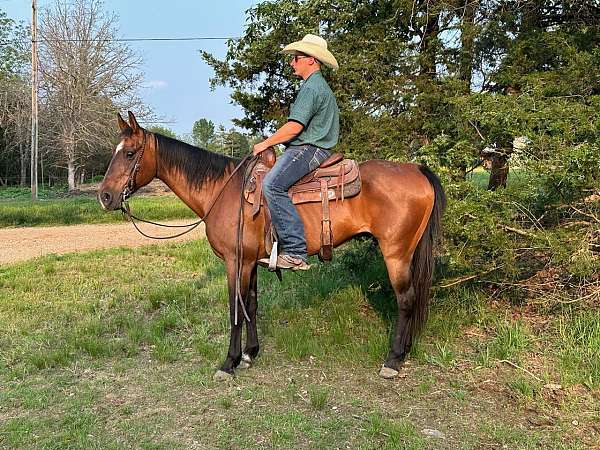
column 297, row 57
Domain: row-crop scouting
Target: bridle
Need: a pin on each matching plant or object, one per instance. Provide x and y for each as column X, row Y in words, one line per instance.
column 130, row 186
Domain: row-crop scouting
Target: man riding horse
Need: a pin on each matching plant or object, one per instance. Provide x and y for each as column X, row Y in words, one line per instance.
column 311, row 131
column 399, row 204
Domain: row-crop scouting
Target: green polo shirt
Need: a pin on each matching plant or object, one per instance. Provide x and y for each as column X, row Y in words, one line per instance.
column 315, row 108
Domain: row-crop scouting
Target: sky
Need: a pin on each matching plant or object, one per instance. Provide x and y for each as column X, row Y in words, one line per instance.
column 176, row 83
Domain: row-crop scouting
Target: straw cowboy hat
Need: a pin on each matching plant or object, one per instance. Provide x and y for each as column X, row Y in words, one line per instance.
column 314, row 46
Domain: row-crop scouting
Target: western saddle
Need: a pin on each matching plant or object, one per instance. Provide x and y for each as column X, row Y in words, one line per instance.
column 335, row 179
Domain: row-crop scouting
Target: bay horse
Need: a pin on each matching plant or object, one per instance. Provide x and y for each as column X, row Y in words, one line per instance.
column 400, row 205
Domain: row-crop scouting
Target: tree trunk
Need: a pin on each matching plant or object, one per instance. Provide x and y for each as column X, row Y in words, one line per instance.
column 70, row 152
column 427, row 70
column 499, row 171
column 428, row 47
column 71, row 174
column 22, row 155
column 467, row 36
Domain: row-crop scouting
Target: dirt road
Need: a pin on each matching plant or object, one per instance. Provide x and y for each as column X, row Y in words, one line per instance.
column 20, row 244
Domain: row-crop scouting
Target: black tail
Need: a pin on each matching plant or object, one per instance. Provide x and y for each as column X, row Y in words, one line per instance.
column 422, row 261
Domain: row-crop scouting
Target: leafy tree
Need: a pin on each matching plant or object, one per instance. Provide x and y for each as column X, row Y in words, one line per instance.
column 14, row 50
column 163, row 130
column 203, row 132
column 388, row 86
column 15, row 101
column 235, row 144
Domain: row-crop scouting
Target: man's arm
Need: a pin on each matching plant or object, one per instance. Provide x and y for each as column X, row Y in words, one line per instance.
column 288, row 131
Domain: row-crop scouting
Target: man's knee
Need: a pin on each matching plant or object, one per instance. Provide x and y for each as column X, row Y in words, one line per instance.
column 270, row 187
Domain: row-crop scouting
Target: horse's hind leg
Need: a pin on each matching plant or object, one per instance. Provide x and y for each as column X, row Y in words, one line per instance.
column 398, row 267
column 251, row 350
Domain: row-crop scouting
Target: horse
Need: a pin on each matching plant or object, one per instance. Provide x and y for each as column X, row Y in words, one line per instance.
column 400, row 205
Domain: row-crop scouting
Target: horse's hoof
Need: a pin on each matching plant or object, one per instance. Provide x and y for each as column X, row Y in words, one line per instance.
column 245, row 363
column 387, row 373
column 220, row 375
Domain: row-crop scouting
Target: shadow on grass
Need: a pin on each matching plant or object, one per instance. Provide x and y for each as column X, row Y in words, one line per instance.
column 358, row 264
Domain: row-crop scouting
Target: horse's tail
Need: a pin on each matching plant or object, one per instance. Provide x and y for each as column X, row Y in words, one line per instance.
column 422, row 261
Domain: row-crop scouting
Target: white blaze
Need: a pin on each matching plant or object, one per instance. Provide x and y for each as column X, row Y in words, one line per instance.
column 119, row 147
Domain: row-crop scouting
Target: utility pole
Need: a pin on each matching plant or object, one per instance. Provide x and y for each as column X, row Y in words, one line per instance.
column 34, row 103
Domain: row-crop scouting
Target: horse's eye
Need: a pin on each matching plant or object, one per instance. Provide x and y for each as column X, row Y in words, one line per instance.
column 130, row 154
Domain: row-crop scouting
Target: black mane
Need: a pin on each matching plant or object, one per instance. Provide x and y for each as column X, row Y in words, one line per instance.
column 197, row 164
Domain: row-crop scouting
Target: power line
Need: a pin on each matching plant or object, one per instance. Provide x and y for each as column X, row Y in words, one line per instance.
column 199, row 38
column 203, row 38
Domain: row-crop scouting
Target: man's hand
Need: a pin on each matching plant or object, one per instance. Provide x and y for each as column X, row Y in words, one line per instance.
column 259, row 148
column 284, row 134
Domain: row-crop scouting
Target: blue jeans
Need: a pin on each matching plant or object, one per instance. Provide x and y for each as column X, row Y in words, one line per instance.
column 293, row 164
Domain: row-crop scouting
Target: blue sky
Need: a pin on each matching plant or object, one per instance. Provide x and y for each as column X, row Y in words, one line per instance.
column 176, row 79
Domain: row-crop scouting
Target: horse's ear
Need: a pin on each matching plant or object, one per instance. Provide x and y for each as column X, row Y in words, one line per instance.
column 122, row 124
column 134, row 125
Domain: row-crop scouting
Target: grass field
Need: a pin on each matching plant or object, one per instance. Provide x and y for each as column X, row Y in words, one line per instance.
column 85, row 209
column 116, row 349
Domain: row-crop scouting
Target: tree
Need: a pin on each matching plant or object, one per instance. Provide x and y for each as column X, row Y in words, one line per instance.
column 163, row 130
column 404, row 83
column 203, row 132
column 15, row 100
column 14, row 50
column 85, row 76
column 467, row 40
column 387, row 87
column 15, row 120
column 235, row 144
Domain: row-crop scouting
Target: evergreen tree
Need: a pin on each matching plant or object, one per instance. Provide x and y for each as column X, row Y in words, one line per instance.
column 203, row 132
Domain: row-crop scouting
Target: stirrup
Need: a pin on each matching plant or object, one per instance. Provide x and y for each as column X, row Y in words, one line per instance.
column 273, row 258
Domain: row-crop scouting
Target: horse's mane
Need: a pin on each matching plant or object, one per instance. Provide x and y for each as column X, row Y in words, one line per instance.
column 196, row 164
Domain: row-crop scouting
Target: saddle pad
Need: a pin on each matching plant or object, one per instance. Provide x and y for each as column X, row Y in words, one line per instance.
column 343, row 181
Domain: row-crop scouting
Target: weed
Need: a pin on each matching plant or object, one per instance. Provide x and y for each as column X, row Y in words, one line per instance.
column 166, row 350
column 579, row 348
column 523, row 387
column 225, row 402
column 318, row 397
column 393, row 433
column 444, row 356
column 426, row 384
column 484, row 356
column 511, row 339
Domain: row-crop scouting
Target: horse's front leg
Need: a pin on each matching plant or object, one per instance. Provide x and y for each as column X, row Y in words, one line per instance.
column 234, row 355
column 251, row 349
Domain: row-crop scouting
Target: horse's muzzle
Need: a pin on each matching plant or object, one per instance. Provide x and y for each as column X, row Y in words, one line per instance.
column 107, row 201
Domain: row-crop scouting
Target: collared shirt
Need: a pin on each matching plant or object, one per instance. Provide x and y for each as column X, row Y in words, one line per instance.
column 315, row 108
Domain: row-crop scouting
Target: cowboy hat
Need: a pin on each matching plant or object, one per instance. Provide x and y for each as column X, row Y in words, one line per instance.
column 314, row 46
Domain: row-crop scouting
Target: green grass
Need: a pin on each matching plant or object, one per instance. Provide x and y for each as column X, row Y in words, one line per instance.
column 85, row 209
column 117, row 348
column 481, row 177
column 24, row 193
